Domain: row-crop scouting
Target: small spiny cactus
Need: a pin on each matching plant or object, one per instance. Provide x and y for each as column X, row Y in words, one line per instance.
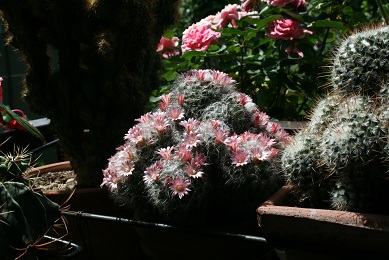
column 339, row 160
column 361, row 63
column 25, row 213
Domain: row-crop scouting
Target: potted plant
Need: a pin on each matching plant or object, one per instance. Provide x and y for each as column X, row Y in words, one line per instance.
column 203, row 158
column 337, row 164
column 28, row 219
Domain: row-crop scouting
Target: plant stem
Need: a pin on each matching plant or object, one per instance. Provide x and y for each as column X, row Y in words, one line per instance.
column 383, row 11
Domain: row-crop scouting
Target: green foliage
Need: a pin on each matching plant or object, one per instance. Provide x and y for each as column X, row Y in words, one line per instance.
column 284, row 85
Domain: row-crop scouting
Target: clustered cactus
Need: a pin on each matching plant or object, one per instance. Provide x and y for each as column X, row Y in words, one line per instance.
column 91, row 66
column 207, row 146
column 25, row 214
column 340, row 159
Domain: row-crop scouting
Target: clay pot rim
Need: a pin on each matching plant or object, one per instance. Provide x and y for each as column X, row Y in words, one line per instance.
column 274, row 206
column 63, row 166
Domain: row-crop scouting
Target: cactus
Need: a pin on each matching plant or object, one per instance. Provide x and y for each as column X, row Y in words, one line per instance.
column 339, row 160
column 206, row 147
column 91, row 66
column 12, row 165
column 361, row 63
column 25, row 214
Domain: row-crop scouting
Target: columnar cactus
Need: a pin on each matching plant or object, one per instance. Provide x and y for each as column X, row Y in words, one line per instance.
column 339, row 160
column 90, row 68
column 207, row 146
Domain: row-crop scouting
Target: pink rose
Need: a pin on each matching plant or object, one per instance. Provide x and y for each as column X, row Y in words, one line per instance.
column 166, row 47
column 285, row 29
column 198, row 37
column 230, row 13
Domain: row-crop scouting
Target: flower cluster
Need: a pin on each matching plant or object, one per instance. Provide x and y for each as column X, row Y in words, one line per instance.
column 274, row 49
column 204, row 139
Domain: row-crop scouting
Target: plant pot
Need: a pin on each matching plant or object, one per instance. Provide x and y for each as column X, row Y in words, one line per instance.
column 99, row 239
column 306, row 233
column 226, row 239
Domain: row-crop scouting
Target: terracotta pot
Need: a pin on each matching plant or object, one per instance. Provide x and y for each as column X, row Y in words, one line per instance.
column 98, row 239
column 306, row 233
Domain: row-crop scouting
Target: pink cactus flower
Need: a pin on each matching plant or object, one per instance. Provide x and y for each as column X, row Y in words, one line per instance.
column 240, row 158
column 144, row 119
column 152, row 173
column 233, row 142
column 184, row 153
column 220, row 136
column 160, row 122
column 260, row 119
column 165, row 153
column 191, row 139
column 180, row 99
column 135, row 135
column 175, row 113
column 180, row 187
column 110, row 179
column 193, row 170
column 165, row 101
column 222, row 78
column 244, row 99
column 190, row 124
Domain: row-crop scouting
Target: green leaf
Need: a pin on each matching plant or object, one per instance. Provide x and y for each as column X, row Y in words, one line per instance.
column 325, row 23
column 170, row 75
column 262, row 22
column 24, row 123
column 190, row 54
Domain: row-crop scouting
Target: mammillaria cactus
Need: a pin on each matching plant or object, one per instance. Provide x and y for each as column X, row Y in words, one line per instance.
column 339, row 160
column 361, row 63
column 206, row 146
column 91, row 65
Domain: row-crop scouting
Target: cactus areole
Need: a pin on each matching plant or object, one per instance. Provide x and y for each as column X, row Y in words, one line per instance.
column 91, row 66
